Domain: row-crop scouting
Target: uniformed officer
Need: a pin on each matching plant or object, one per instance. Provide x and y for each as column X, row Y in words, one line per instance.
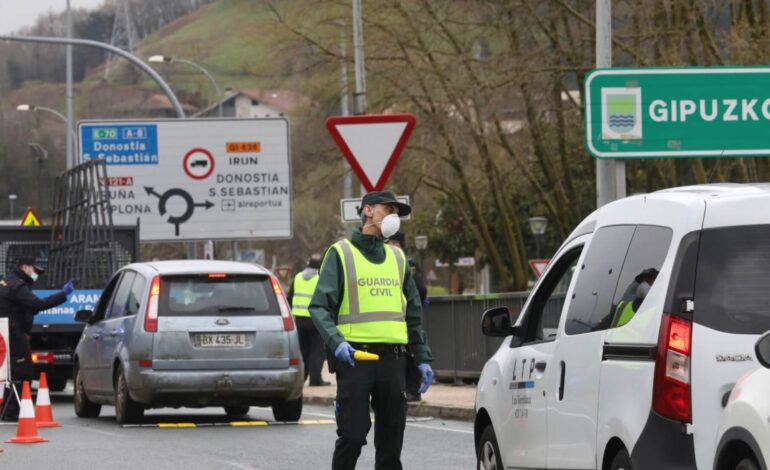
column 19, row 304
column 366, row 300
column 310, row 342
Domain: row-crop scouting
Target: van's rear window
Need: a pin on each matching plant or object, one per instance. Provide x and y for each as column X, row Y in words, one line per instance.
column 215, row 295
column 732, row 283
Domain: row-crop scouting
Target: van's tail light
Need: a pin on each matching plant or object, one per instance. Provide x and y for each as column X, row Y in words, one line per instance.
column 151, row 315
column 671, row 390
column 42, row 358
column 288, row 322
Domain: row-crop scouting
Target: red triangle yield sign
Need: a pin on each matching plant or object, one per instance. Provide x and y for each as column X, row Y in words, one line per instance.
column 372, row 144
column 538, row 266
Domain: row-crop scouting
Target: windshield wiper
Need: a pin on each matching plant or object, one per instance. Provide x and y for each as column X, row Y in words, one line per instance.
column 235, row 309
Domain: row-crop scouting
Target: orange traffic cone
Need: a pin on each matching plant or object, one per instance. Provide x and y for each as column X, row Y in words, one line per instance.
column 43, row 409
column 26, row 431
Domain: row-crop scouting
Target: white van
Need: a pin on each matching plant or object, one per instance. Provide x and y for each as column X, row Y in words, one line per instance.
column 629, row 345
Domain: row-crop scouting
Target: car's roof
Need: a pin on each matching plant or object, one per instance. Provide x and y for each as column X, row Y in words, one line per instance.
column 198, row 266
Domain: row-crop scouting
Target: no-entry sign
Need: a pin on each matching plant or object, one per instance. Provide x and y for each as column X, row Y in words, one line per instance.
column 372, row 144
column 678, row 112
column 4, row 342
column 187, row 179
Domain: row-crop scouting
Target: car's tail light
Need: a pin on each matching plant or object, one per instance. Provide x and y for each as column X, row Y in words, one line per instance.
column 294, row 361
column 217, row 276
column 671, row 389
column 42, row 358
column 288, row 322
column 145, row 362
column 151, row 315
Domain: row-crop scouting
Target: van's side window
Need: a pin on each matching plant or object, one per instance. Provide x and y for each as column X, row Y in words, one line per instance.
column 597, row 279
column 732, row 287
column 545, row 310
column 643, row 262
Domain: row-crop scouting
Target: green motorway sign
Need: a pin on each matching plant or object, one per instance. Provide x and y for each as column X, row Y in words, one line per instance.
column 678, row 112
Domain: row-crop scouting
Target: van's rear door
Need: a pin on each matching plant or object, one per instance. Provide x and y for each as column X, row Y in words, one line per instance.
column 219, row 321
column 732, row 309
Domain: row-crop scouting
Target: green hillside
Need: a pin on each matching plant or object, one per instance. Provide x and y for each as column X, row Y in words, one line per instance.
column 233, row 39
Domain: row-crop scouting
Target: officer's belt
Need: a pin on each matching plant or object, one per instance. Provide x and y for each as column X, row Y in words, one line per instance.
column 381, row 348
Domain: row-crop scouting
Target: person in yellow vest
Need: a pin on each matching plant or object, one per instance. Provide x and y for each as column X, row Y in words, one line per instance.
column 366, row 300
column 310, row 342
column 633, row 298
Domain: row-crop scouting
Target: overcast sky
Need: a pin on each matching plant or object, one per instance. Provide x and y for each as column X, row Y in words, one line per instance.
column 15, row 14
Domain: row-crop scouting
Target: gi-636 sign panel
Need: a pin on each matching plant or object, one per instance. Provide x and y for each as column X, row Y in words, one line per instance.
column 198, row 178
column 678, row 112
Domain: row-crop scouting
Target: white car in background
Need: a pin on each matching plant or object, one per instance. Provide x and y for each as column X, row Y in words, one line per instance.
column 744, row 433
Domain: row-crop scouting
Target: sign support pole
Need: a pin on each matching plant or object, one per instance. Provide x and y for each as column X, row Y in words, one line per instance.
column 610, row 174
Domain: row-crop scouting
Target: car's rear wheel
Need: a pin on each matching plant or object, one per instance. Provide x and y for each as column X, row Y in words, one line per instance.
column 622, row 461
column 746, row 464
column 237, row 410
column 127, row 411
column 84, row 408
column 489, row 452
column 288, row 411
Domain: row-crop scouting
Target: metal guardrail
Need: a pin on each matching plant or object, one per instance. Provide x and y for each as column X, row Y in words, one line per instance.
column 453, row 326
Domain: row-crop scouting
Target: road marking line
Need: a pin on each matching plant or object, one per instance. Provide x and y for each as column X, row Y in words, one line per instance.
column 234, row 424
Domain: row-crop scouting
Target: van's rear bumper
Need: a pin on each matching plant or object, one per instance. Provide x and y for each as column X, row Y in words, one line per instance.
column 195, row 388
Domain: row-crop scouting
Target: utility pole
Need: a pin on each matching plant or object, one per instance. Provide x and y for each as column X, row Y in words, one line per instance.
column 70, row 141
column 348, row 177
column 359, row 97
column 610, row 174
column 358, row 44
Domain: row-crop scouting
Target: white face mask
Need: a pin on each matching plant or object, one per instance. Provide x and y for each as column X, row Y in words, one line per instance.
column 390, row 225
column 34, row 277
column 642, row 290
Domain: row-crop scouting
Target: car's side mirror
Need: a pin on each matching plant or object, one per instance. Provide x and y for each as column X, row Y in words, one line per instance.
column 84, row 316
column 762, row 348
column 496, row 322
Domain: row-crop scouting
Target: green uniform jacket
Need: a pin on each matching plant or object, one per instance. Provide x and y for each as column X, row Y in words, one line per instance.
column 327, row 298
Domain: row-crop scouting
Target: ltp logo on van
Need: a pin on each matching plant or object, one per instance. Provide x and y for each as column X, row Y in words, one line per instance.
column 621, row 113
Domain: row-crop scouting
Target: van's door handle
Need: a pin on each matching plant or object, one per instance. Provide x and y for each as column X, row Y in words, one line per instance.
column 561, row 380
column 540, row 366
column 95, row 336
column 114, row 332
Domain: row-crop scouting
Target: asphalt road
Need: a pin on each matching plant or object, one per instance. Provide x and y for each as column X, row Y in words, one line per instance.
column 101, row 443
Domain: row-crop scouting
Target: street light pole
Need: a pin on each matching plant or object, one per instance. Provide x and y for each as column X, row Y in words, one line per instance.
column 537, row 225
column 71, row 152
column 217, row 90
column 12, row 199
column 115, row 50
column 71, row 139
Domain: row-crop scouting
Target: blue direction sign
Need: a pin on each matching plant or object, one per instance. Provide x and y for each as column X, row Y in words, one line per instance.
column 81, row 299
column 119, row 144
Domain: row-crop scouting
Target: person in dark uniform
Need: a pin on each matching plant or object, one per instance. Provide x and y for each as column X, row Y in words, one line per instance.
column 366, row 300
column 19, row 304
column 310, row 343
column 413, row 378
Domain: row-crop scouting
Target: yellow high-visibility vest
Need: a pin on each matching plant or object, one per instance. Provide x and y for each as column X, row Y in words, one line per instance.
column 303, row 292
column 373, row 306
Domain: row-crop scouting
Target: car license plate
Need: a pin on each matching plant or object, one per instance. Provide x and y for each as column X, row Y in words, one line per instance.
column 219, row 340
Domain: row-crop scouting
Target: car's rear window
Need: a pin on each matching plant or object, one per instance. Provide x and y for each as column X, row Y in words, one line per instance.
column 217, row 295
column 732, row 282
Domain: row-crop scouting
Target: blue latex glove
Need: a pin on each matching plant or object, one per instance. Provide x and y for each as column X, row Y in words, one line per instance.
column 69, row 287
column 344, row 353
column 427, row 377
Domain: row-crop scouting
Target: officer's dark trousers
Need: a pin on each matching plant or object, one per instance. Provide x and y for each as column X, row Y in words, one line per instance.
column 384, row 382
column 21, row 370
column 312, row 347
